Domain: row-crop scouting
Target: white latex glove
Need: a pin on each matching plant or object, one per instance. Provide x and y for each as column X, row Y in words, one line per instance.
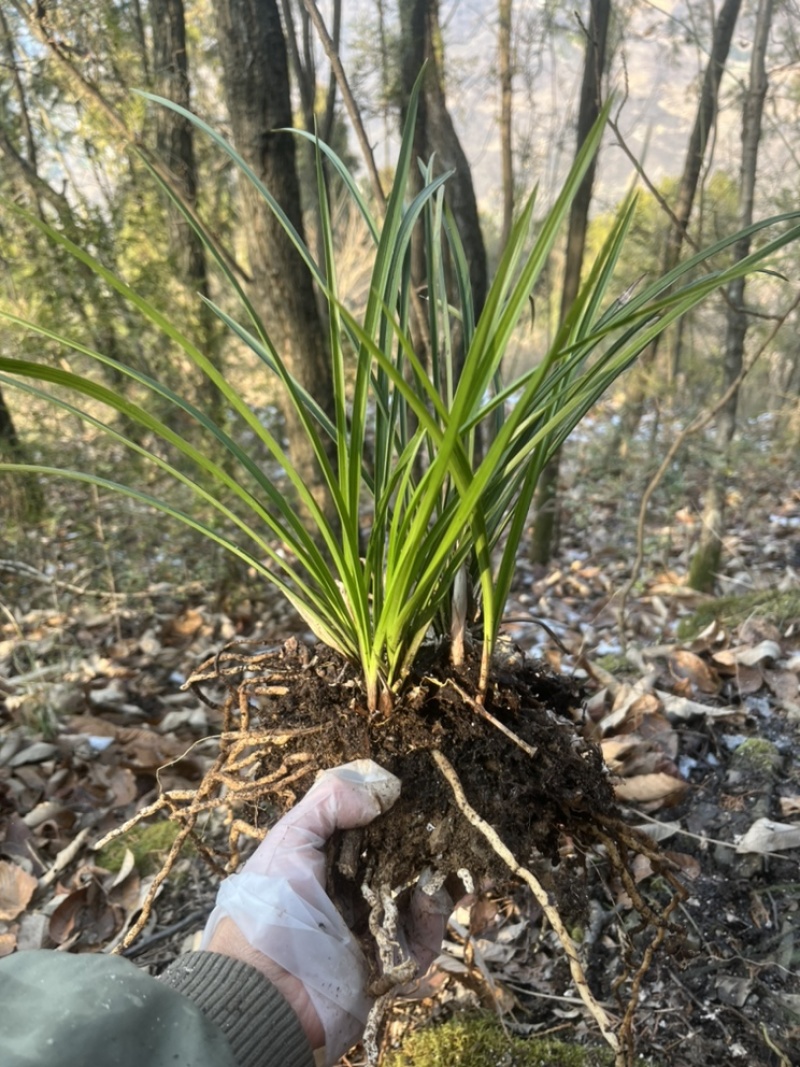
column 283, row 920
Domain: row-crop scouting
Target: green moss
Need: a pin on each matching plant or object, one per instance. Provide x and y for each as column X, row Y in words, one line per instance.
column 756, row 754
column 479, row 1041
column 615, row 663
column 779, row 608
column 148, row 843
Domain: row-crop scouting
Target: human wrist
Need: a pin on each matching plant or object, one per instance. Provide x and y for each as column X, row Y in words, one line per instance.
column 228, row 940
column 259, row 1023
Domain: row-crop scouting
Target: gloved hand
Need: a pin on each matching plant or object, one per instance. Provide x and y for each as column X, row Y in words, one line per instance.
column 276, row 915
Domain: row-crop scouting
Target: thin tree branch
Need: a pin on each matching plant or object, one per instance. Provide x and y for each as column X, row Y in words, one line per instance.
column 613, row 125
column 348, row 98
column 330, row 96
column 8, row 47
column 41, row 189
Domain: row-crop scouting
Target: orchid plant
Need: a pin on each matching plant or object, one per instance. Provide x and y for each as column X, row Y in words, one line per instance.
column 437, row 557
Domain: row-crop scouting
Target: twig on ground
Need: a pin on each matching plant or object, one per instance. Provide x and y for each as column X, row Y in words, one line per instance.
column 64, row 858
column 25, row 570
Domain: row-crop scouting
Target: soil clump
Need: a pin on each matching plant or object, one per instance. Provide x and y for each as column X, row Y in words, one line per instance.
column 533, row 796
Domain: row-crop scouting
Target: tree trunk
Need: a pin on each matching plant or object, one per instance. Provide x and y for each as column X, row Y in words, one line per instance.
column 174, row 139
column 704, row 123
column 544, row 541
column 435, row 133
column 506, row 154
column 175, row 147
column 706, row 561
column 22, row 494
column 256, row 79
column 303, row 65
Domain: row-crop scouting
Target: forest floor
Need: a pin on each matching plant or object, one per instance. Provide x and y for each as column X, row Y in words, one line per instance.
column 694, row 701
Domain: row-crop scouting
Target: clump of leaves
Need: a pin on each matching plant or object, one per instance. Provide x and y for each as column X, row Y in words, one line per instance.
column 445, row 519
column 477, row 1041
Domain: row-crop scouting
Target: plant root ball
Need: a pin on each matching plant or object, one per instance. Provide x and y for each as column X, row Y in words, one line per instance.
column 536, row 789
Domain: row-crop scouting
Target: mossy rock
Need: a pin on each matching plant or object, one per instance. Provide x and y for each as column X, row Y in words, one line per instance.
column 148, row 843
column 779, row 608
column 756, row 755
column 479, row 1041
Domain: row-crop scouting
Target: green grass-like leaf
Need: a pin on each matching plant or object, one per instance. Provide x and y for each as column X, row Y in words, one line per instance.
column 399, row 443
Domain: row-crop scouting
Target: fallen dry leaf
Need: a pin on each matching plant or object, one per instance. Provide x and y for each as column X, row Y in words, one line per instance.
column 644, row 707
column 641, row 868
column 16, row 890
column 624, row 699
column 657, row 729
column 85, row 918
column 614, row 749
column 748, row 656
column 765, row 835
column 182, row 626
column 688, row 667
column 748, row 680
column 651, row 791
column 681, row 708
column 789, row 805
column 734, row 991
column 785, row 685
column 688, row 866
column 659, row 831
column 125, row 891
column 757, row 629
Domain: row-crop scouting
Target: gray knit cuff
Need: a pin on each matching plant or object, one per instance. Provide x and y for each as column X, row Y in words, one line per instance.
column 260, row 1026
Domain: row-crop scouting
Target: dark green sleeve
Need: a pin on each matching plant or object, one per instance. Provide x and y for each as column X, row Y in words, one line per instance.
column 62, row 1010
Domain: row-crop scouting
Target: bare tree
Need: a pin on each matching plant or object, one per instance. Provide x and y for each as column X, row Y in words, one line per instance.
column 681, row 212
column 506, row 146
column 435, row 133
column 545, row 530
column 706, row 561
column 256, row 79
column 175, row 147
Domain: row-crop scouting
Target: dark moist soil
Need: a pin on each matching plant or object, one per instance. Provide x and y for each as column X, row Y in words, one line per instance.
column 532, row 803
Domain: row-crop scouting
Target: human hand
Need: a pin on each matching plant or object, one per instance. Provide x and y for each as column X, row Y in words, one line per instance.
column 276, row 916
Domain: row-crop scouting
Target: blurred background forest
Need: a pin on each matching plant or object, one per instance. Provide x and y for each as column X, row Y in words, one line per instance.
column 689, row 457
